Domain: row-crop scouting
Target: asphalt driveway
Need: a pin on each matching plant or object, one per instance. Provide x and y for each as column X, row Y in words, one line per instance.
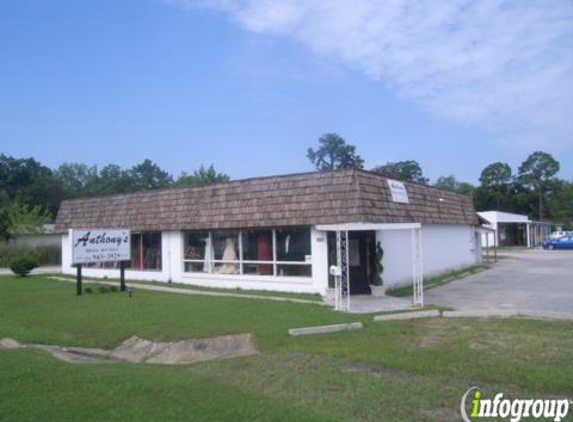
column 535, row 280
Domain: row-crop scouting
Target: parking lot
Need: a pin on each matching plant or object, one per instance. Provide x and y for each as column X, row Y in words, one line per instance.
column 535, row 280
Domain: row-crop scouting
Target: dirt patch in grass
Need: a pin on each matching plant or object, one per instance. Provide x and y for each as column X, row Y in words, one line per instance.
column 376, row 371
column 435, row 332
column 443, row 415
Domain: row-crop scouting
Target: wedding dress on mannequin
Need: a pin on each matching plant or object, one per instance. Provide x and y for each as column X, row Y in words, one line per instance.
column 229, row 254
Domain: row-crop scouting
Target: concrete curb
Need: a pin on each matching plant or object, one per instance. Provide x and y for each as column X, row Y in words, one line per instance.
column 323, row 329
column 553, row 316
column 408, row 315
column 486, row 313
column 508, row 313
column 191, row 292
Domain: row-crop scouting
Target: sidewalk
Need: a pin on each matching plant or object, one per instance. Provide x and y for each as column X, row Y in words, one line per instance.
column 191, row 292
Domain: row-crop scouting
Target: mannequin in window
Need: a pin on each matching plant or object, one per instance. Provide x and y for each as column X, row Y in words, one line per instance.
column 229, row 254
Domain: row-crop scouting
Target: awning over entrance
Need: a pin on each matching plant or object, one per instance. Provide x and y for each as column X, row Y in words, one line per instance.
column 342, row 273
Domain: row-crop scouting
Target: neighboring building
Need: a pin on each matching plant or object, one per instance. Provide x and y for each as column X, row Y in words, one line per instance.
column 513, row 230
column 47, row 238
column 279, row 233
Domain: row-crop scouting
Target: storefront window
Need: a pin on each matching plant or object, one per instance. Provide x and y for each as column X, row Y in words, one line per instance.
column 146, row 251
column 293, row 245
column 197, row 252
column 257, row 252
column 226, row 252
column 250, row 252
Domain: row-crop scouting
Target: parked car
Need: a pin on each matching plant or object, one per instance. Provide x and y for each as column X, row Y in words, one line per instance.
column 563, row 242
column 560, row 233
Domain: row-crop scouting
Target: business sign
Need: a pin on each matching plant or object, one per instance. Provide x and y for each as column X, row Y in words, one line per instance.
column 100, row 245
column 398, row 191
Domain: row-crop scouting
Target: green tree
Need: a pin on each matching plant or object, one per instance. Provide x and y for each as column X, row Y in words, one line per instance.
column 538, row 172
column 4, row 204
column 27, row 219
column 409, row 170
column 496, row 181
column 202, row 176
column 466, row 188
column 447, row 182
column 560, row 203
column 26, row 181
column 78, row 180
column 334, row 153
column 148, row 175
column 496, row 175
column 450, row 183
column 112, row 179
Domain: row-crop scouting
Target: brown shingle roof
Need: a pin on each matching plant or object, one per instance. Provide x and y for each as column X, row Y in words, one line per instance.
column 343, row 196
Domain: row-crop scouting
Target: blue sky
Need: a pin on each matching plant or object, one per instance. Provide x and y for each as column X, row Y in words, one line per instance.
column 249, row 85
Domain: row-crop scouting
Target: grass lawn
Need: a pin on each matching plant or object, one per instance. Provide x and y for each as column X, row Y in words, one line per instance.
column 439, row 280
column 394, row 371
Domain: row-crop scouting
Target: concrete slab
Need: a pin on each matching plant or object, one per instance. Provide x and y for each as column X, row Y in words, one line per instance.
column 138, row 350
column 481, row 313
column 9, row 344
column 323, row 329
column 508, row 313
column 408, row 315
column 554, row 316
column 367, row 304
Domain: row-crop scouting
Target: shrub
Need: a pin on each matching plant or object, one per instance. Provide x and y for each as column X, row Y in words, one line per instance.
column 23, row 265
column 378, row 267
column 88, row 290
column 48, row 255
column 44, row 255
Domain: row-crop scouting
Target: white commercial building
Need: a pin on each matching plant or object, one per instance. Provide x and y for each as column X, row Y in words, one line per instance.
column 509, row 229
column 284, row 233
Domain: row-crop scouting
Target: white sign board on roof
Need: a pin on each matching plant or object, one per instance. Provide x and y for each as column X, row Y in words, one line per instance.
column 398, row 191
column 100, row 245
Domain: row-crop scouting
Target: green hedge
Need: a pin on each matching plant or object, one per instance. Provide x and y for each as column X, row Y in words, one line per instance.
column 44, row 255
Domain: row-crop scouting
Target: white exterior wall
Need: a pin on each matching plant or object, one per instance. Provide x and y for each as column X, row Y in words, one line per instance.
column 397, row 260
column 490, row 239
column 444, row 248
column 172, row 269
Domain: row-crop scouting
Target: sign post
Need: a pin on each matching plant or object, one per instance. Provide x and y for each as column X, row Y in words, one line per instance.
column 122, row 276
column 100, row 245
column 79, row 280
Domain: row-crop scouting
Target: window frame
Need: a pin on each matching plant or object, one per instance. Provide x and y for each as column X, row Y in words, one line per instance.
column 160, row 260
column 275, row 263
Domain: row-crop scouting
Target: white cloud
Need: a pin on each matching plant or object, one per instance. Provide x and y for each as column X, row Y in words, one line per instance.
column 504, row 64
